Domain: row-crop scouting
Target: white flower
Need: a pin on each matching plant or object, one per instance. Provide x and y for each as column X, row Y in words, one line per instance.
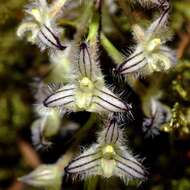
column 45, row 176
column 87, row 91
column 40, row 22
column 44, row 128
column 109, row 157
column 150, row 54
column 49, row 119
column 158, row 115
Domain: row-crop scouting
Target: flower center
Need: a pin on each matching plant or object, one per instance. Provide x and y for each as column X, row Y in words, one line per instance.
column 108, row 152
column 153, row 44
column 84, row 94
column 86, row 85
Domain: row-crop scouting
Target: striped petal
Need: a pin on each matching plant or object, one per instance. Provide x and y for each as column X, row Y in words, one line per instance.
column 85, row 61
column 135, row 62
column 157, row 114
column 106, row 101
column 127, row 165
column 158, row 25
column 88, row 64
column 161, row 4
column 85, row 163
column 63, row 97
column 49, row 38
column 46, row 33
column 112, row 133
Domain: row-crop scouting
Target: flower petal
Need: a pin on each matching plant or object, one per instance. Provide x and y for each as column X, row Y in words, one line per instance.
column 46, row 33
column 87, row 161
column 106, row 101
column 108, row 167
column 158, row 25
column 63, row 97
column 157, row 114
column 38, row 140
column 112, row 133
column 28, row 27
column 135, row 62
column 128, row 165
column 161, row 4
column 45, row 176
column 49, row 38
column 167, row 52
column 88, row 64
column 85, row 61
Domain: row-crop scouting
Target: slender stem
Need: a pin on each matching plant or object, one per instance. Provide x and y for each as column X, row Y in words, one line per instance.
column 99, row 9
column 84, row 22
column 81, row 133
column 111, row 50
column 67, row 157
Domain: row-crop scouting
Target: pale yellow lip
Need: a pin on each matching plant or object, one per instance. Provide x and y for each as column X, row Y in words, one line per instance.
column 108, row 152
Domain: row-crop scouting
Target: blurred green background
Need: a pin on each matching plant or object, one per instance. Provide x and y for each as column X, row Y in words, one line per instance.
column 168, row 155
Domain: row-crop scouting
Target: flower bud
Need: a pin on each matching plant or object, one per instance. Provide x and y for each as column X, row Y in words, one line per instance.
column 45, row 176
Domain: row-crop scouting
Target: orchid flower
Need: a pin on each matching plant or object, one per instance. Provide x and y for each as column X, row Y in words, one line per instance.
column 46, row 176
column 158, row 115
column 44, row 128
column 87, row 92
column 150, row 54
column 40, row 22
column 108, row 157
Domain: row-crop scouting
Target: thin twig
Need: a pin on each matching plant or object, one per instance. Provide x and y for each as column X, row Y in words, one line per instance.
column 29, row 154
column 184, row 42
column 16, row 186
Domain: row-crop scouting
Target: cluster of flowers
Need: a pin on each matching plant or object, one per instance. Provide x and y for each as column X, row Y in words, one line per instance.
column 78, row 84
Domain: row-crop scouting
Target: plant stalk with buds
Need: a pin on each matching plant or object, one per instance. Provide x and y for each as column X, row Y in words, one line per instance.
column 77, row 83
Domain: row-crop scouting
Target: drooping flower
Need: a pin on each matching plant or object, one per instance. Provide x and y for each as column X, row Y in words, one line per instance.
column 41, row 26
column 157, row 115
column 47, row 176
column 150, row 54
column 108, row 157
column 44, row 128
column 48, row 120
column 87, row 90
